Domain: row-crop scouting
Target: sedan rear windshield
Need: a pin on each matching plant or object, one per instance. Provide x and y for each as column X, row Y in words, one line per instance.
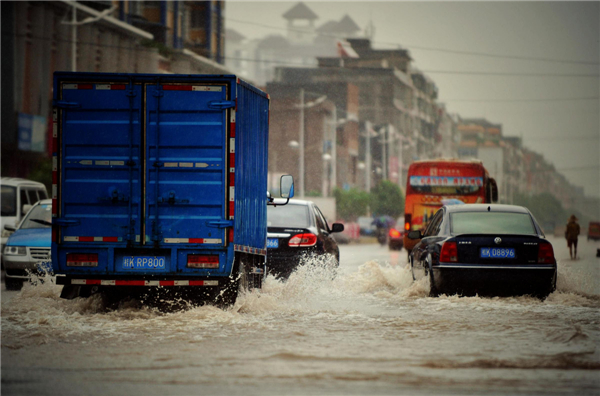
column 288, row 216
column 491, row 223
column 39, row 217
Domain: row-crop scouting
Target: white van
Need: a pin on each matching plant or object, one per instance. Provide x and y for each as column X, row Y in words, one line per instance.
column 18, row 196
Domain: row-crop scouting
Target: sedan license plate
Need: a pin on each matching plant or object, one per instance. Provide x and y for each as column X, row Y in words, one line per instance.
column 272, row 243
column 144, row 263
column 497, row 253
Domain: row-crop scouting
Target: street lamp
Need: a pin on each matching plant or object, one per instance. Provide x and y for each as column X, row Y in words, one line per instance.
column 303, row 106
column 326, row 174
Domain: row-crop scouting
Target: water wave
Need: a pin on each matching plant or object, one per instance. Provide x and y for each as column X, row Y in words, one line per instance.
column 562, row 361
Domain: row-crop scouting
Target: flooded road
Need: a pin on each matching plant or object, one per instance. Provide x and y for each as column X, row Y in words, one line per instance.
column 368, row 331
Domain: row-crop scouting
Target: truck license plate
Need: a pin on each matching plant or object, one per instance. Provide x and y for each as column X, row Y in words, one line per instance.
column 272, row 243
column 144, row 263
column 497, row 253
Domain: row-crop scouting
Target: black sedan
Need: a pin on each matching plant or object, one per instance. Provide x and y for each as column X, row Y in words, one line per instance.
column 296, row 232
column 396, row 236
column 484, row 249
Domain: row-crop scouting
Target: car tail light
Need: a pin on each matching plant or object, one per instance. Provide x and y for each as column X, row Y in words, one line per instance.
column 202, row 261
column 449, row 253
column 545, row 253
column 407, row 219
column 303, row 240
column 82, row 260
column 394, row 233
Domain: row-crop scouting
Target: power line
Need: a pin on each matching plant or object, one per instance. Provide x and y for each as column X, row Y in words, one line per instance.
column 572, row 138
column 467, row 73
column 471, row 53
column 457, row 72
column 591, row 167
column 521, row 100
column 474, row 73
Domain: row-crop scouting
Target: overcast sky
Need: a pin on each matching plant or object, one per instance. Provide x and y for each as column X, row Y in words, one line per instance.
column 566, row 132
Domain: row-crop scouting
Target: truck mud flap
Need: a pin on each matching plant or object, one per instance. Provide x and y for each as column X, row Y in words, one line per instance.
column 70, row 292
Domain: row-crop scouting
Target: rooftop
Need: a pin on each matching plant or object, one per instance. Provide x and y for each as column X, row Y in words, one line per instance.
column 300, row 11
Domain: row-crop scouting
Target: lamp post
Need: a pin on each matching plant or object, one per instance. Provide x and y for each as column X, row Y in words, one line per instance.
column 301, row 143
column 368, row 157
column 326, row 174
column 302, row 106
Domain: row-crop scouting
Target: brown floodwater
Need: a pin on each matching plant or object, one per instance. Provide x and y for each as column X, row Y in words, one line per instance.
column 369, row 330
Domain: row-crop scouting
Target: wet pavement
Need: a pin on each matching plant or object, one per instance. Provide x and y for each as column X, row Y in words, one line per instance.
column 370, row 330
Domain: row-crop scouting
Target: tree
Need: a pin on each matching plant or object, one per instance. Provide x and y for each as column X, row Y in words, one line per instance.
column 547, row 210
column 387, row 199
column 351, row 204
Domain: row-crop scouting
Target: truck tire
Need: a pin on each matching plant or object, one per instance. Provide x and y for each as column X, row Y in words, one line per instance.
column 13, row 284
column 238, row 281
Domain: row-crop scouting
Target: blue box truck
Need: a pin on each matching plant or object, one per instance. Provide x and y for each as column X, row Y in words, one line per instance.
column 159, row 181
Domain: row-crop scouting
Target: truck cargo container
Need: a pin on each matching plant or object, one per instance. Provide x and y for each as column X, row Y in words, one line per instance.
column 159, row 181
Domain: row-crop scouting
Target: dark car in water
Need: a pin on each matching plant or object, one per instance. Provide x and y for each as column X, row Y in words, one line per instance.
column 484, row 249
column 297, row 232
column 396, row 235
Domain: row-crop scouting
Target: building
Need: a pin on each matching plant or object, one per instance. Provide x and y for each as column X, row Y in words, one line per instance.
column 385, row 97
column 300, row 46
column 331, row 140
column 39, row 38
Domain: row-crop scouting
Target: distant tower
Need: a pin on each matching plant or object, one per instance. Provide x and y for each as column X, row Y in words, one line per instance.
column 301, row 24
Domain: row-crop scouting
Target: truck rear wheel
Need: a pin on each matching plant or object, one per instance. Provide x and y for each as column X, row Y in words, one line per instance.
column 13, row 284
column 237, row 282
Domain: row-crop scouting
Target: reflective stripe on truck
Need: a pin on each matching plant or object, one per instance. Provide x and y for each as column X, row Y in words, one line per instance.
column 115, row 282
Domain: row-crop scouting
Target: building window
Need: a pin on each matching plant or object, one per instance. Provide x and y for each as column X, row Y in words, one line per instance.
column 135, row 7
column 196, row 18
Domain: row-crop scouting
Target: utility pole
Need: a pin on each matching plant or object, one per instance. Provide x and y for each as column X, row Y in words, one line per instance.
column 74, row 40
column 368, row 157
column 334, row 149
column 301, row 142
column 383, row 137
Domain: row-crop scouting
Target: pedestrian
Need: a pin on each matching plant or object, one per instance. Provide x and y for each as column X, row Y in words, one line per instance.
column 571, row 235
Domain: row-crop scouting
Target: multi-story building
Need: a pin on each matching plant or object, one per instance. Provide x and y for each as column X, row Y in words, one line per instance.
column 331, row 139
column 425, row 116
column 300, row 46
column 39, row 38
column 384, row 98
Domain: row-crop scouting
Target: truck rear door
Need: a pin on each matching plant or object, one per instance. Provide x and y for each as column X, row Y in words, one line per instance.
column 186, row 151
column 101, row 163
column 118, row 140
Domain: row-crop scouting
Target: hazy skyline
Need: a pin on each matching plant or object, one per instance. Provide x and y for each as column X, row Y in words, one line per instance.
column 566, row 131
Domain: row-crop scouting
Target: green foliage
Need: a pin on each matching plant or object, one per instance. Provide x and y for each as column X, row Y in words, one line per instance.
column 163, row 50
column 42, row 172
column 351, row 204
column 547, row 210
column 314, row 193
column 387, row 199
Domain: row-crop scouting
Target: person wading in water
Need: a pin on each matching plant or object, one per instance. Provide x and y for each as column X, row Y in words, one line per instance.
column 571, row 235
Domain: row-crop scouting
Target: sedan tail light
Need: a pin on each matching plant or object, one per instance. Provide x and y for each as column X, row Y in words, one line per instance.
column 303, row 240
column 394, row 233
column 82, row 260
column 449, row 253
column 545, row 253
column 202, row 261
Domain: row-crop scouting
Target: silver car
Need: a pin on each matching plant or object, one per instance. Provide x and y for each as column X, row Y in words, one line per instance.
column 28, row 248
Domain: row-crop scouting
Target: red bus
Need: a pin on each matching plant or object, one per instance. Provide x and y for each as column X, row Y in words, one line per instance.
column 431, row 181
